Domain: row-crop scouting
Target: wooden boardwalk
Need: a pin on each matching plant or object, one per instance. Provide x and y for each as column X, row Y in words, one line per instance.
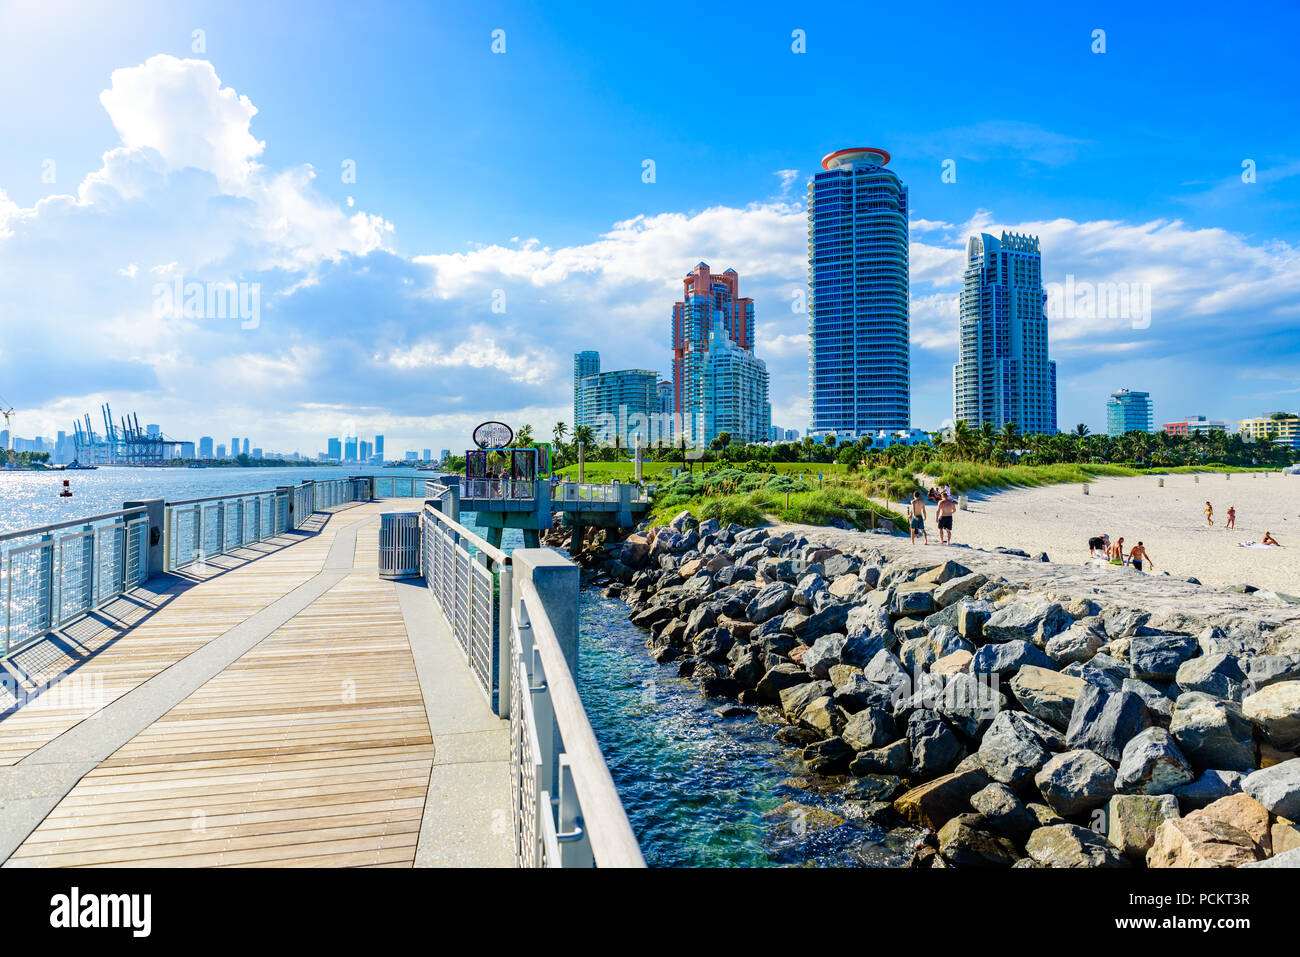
column 279, row 719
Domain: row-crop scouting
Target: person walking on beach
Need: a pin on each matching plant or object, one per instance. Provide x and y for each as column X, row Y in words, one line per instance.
column 946, row 509
column 1138, row 556
column 1232, row 517
column 917, row 522
column 1116, row 554
column 1209, row 514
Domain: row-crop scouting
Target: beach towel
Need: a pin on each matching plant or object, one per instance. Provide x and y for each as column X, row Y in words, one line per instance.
column 1256, row 545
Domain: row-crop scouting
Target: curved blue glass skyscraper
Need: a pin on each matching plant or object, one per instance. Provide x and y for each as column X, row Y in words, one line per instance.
column 859, row 359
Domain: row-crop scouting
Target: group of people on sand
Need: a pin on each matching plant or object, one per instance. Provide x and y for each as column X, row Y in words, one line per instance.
column 945, row 507
column 1101, row 548
column 1232, row 523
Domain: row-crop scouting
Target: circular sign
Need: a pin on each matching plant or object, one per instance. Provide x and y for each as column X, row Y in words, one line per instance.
column 493, row 435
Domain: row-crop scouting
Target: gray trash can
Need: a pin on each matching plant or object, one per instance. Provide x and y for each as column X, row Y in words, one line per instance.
column 399, row 545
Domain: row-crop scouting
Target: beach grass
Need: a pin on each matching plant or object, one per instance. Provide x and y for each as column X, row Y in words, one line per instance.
column 809, row 507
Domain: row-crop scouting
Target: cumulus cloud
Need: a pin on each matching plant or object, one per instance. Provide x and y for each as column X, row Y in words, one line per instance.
column 354, row 337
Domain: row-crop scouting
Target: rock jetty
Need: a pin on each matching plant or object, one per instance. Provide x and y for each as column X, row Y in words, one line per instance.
column 1014, row 713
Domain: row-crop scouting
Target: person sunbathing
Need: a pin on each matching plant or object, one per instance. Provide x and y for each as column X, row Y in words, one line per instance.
column 1270, row 540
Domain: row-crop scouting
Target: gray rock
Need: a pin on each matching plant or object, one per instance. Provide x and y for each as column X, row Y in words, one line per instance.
column 971, row 616
column 871, row 622
column 1277, row 788
column 1132, row 821
column 1012, row 749
column 913, row 600
column 831, row 756
column 807, row 589
column 1157, row 657
column 1076, row 782
column 1078, row 643
column 1104, row 722
column 1103, row 671
column 826, row 652
column 869, row 729
column 955, row 589
column 772, row 600
column 1264, row 670
column 1124, row 622
column 1160, row 705
column 885, row 668
column 714, row 644
column 856, row 693
column 1289, row 858
column 831, row 619
column 1068, row 845
column 1152, row 764
column 1218, row 674
column 906, row 629
column 934, row 746
column 969, row 703
column 1207, row 788
column 1004, row 658
column 1213, row 733
column 1005, row 813
column 1035, row 623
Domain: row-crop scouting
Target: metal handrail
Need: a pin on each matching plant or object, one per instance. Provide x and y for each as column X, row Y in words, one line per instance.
column 500, row 490
column 43, row 529
column 568, row 810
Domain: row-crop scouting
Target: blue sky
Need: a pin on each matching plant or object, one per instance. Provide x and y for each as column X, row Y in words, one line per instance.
column 521, row 174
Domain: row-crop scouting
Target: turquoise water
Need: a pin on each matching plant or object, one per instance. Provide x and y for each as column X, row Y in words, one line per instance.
column 29, row 499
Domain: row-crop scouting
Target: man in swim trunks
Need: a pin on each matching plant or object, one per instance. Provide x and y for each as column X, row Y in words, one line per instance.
column 1209, row 514
column 946, row 510
column 1116, row 553
column 917, row 521
column 1138, row 556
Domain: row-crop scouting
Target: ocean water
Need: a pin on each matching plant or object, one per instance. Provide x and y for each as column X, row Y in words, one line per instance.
column 30, row 499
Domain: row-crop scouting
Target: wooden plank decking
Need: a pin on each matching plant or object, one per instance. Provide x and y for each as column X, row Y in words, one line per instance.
column 312, row 747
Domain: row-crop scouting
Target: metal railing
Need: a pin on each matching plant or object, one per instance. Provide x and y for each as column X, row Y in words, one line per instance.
column 588, row 492
column 567, row 810
column 333, row 492
column 499, row 489
column 53, row 574
column 397, row 486
column 198, row 529
column 467, row 577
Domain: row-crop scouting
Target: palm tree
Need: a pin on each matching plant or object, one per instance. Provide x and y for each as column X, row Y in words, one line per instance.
column 524, row 437
column 962, row 439
column 560, row 431
column 584, row 435
column 1082, row 431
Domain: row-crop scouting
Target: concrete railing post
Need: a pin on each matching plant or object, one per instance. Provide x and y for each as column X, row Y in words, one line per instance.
column 157, row 553
column 555, row 579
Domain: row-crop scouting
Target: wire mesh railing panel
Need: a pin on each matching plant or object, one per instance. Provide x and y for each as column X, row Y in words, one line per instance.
column 75, row 577
column 110, row 561
column 28, row 591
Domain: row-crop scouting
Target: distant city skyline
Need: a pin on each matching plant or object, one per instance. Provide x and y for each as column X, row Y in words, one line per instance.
column 477, row 288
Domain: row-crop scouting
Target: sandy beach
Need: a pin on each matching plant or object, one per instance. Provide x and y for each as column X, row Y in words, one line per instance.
column 1059, row 520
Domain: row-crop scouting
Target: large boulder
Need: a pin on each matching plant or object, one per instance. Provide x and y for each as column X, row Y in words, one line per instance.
column 920, row 653
column 829, row 620
column 796, row 698
column 1004, row 811
column 936, row 802
column 1077, row 643
column 1007, row 657
column 1104, row 722
column 1275, row 710
column 1200, row 842
column 955, row 589
column 1152, row 764
column 826, row 652
column 1219, row 675
column 1024, row 621
column 893, row 759
column 1045, row 693
column 1208, row 787
column 831, row 756
column 1244, row 812
column 869, row 729
column 855, row 692
column 971, row 616
column 1213, row 733
column 870, row 622
column 779, row 678
column 771, row 600
column 967, row 841
column 1132, row 821
column 1076, row 782
column 1277, row 788
column 1068, row 845
column 913, row 600
column 1013, row 748
column 1158, row 657
column 934, row 746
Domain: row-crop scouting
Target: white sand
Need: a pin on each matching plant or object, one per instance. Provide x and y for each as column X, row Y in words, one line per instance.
column 1059, row 520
